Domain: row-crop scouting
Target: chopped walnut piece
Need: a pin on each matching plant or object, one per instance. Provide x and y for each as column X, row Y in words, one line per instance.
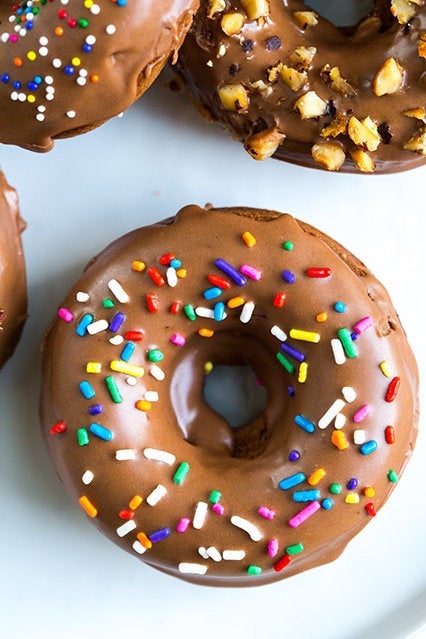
column 215, row 6
column 419, row 114
column 256, row 8
column 364, row 133
column 404, row 10
column 296, row 80
column 417, row 143
column 332, row 76
column 363, row 161
column 260, row 87
column 302, row 57
column 310, row 105
column 263, row 144
column 337, row 126
column 232, row 23
column 305, row 19
column 421, row 47
column 234, row 97
column 389, row 78
column 329, row 154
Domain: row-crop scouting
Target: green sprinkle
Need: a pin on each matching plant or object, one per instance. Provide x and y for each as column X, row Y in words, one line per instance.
column 113, row 389
column 181, row 473
column 284, row 361
column 83, row 436
column 393, row 476
column 347, row 343
column 108, row 304
column 215, row 497
column 295, row 549
column 336, row 489
column 254, row 570
column 155, row 355
column 288, row 246
column 83, row 23
column 190, row 312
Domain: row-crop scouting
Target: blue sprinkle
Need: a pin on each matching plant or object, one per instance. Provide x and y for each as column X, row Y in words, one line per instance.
column 291, row 391
column 69, row 70
column 292, row 352
column 352, row 483
column 101, row 432
column 87, row 390
column 306, row 495
column 32, row 86
column 37, row 79
column 16, row 85
column 294, row 455
column 212, row 293
column 83, row 324
column 304, row 423
column 327, row 503
column 368, row 447
column 121, row 3
column 29, row 25
column 289, row 277
column 96, row 409
column 340, row 307
column 175, row 263
column 231, row 272
column 128, row 351
column 117, row 322
column 159, row 535
column 219, row 311
column 293, row 480
column 87, row 48
column 5, row 77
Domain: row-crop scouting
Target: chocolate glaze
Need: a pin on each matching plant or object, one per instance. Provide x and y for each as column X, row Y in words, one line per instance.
column 13, row 284
column 210, row 59
column 93, row 81
column 246, row 465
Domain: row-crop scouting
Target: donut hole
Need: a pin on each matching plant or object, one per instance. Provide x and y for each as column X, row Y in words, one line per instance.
column 342, row 14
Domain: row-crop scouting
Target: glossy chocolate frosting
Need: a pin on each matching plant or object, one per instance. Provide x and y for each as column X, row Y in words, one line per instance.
column 13, row 283
column 348, row 72
column 67, row 67
column 161, row 473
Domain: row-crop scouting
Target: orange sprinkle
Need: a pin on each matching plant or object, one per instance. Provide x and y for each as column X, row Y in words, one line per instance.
column 59, row 31
column 234, row 302
column 206, row 332
column 146, row 543
column 339, row 440
column 316, row 476
column 87, row 506
column 143, row 405
column 135, row 502
column 94, row 77
column 369, row 491
column 137, row 265
column 249, row 239
column 321, row 317
column 18, row 62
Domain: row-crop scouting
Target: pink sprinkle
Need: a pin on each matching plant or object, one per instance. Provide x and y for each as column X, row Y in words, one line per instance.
column 363, row 324
column 183, row 525
column 266, row 512
column 178, row 339
column 273, row 547
column 304, row 514
column 66, row 315
column 218, row 509
column 362, row 413
column 13, row 37
column 251, row 272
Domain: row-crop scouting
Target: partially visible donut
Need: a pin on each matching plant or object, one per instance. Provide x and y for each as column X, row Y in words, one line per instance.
column 13, row 281
column 162, row 474
column 67, row 66
column 288, row 83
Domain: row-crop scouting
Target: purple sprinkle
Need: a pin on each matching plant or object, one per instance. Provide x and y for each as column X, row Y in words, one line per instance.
column 294, row 455
column 159, row 535
column 291, row 391
column 354, row 337
column 96, row 409
column 288, row 276
column 352, row 483
column 231, row 272
column 293, row 352
column 117, row 322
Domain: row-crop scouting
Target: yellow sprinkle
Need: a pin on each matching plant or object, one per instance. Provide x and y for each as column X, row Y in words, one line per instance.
column 137, row 265
column 386, row 369
column 93, row 367
column 135, row 502
column 369, row 491
column 76, row 62
column 303, row 372
column 208, row 367
column 206, row 332
column 144, row 540
column 181, row 272
column 87, row 506
column 31, row 98
column 129, row 369
column 352, row 498
column 321, row 317
column 249, row 239
column 339, row 440
column 305, row 336
column 142, row 404
column 31, row 55
column 235, row 302
column 88, row 4
column 316, row 477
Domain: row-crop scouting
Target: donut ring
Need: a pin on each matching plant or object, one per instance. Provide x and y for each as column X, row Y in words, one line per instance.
column 169, row 480
column 288, row 83
column 66, row 68
column 13, row 281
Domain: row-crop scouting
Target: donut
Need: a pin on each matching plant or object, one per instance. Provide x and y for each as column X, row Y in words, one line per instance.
column 13, row 282
column 156, row 468
column 290, row 84
column 67, row 66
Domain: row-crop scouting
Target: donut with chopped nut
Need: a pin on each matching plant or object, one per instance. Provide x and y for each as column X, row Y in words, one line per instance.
column 289, row 84
column 67, row 67
column 160, row 472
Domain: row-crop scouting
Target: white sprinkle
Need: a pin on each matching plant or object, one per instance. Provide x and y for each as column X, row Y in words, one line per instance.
column 209, row 63
column 87, row 477
column 82, row 297
column 203, row 552
column 43, row 51
column 71, row 114
column 56, row 63
column 125, row 454
column 110, row 29
column 40, row 117
column 359, row 437
column 349, row 394
column 131, row 381
column 233, row 555
column 203, row 311
column 83, row 73
column 137, row 546
column 117, row 290
column 192, row 569
column 338, row 352
column 97, row 327
column 14, row 96
column 156, row 372
column 124, row 529
column 4, row 37
column 172, row 278
column 279, row 333
column 22, row 97
column 331, row 413
column 156, row 495
column 41, row 108
column 95, row 9
column 48, row 79
column 159, row 455
column 247, row 526
column 151, row 396
column 81, row 81
column 214, row 554
column 340, row 421
column 90, row 39
column 43, row 41
column 116, row 340
column 247, row 312
column 200, row 515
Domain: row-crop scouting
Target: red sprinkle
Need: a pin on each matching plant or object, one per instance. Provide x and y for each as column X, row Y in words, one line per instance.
column 282, row 563
column 221, row 282
column 72, row 23
column 62, row 14
column 393, row 389
column 153, row 303
column 319, row 272
column 390, row 434
column 167, row 258
column 133, row 336
column 176, row 307
column 58, row 428
column 156, row 276
column 280, row 299
column 126, row 514
column 370, row 509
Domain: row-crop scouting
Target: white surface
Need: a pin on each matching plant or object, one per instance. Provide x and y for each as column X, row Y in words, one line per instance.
column 59, row 576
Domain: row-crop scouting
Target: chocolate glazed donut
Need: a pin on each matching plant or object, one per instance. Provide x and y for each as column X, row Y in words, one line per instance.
column 165, row 476
column 288, row 83
column 67, row 67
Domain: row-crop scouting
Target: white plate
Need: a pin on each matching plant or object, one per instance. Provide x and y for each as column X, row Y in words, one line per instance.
column 59, row 576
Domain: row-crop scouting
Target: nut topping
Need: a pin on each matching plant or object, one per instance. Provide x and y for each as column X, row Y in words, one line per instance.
column 263, row 144
column 389, row 78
